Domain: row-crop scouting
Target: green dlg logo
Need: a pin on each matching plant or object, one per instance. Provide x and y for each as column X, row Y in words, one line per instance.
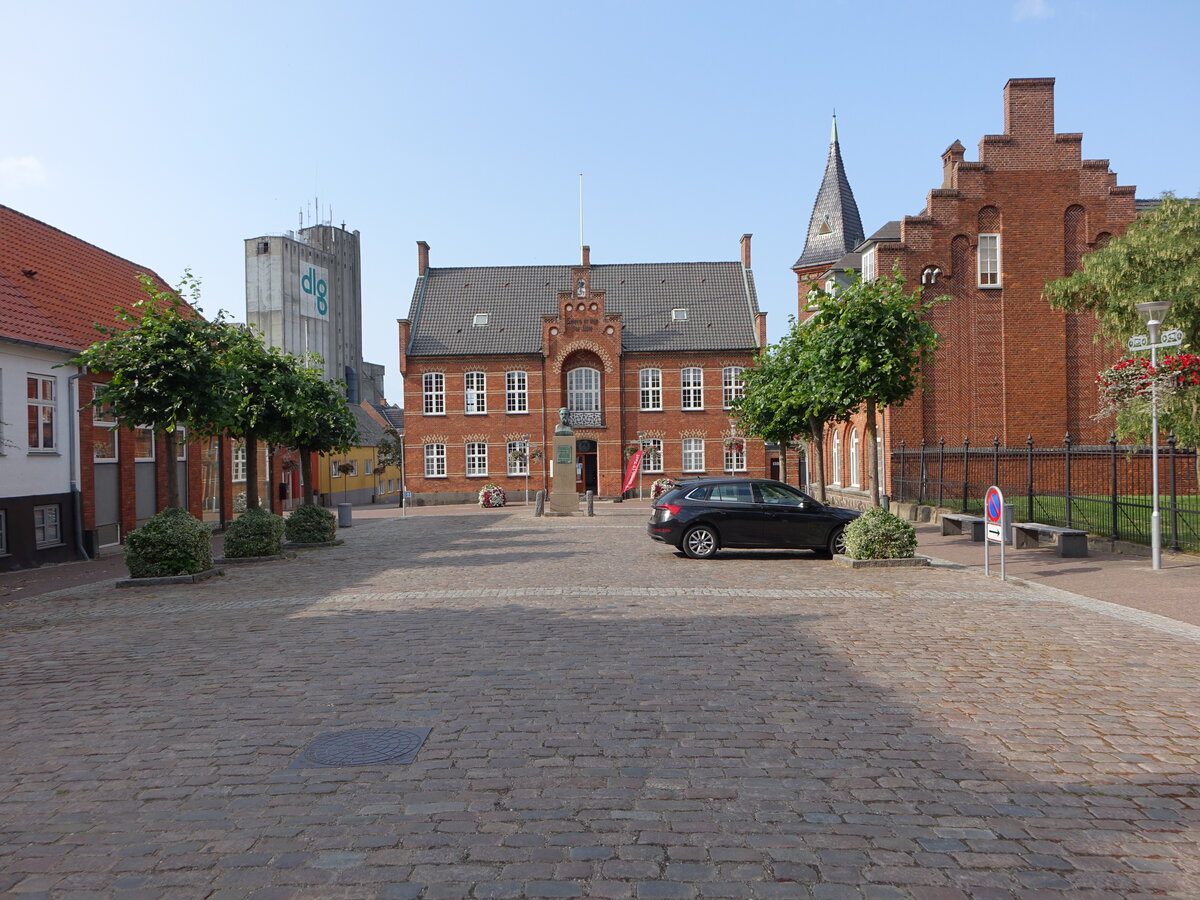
column 310, row 283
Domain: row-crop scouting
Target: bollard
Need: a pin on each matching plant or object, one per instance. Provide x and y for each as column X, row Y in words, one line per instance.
column 886, row 502
column 539, row 503
column 345, row 515
column 588, row 498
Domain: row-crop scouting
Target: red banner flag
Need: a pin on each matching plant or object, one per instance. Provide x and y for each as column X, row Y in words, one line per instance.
column 631, row 470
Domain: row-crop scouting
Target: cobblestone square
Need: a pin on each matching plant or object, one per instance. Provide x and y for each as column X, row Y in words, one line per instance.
column 608, row 719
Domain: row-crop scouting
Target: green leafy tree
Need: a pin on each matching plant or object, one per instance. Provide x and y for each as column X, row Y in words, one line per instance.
column 164, row 365
column 318, row 420
column 390, row 452
column 868, row 343
column 1157, row 258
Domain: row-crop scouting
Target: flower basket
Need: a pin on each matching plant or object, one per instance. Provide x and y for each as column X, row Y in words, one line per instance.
column 660, row 486
column 492, row 496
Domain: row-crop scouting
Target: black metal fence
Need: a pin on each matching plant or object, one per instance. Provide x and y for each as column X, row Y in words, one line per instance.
column 1106, row 490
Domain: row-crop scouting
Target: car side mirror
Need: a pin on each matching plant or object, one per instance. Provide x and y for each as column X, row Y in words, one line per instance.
column 803, row 504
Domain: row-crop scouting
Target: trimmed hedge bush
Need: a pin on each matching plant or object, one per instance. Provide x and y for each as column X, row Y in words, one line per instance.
column 310, row 524
column 255, row 532
column 878, row 534
column 174, row 542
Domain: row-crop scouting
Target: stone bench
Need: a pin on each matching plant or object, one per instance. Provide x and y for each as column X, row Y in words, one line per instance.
column 954, row 523
column 1071, row 541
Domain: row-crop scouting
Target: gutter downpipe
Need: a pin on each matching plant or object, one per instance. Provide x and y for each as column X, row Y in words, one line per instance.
column 76, row 498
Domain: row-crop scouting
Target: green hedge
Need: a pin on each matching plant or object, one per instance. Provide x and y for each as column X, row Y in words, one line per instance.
column 255, row 532
column 310, row 524
column 174, row 542
column 878, row 534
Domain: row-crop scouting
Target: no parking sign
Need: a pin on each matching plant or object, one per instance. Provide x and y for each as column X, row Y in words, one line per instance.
column 993, row 514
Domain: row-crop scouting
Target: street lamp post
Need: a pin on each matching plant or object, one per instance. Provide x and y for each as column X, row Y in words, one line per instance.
column 1153, row 314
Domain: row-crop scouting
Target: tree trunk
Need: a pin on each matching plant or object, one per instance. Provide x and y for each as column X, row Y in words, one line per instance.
column 818, row 458
column 872, row 454
column 251, row 471
column 172, row 451
column 306, row 474
column 783, row 462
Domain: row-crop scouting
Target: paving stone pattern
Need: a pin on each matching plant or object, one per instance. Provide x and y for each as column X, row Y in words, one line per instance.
column 608, row 720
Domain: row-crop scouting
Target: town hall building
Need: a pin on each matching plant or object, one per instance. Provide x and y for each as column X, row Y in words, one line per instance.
column 647, row 354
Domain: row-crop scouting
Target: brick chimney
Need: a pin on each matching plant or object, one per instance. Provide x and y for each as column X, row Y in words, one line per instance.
column 746, row 250
column 1029, row 106
column 586, row 253
column 950, row 160
column 422, row 257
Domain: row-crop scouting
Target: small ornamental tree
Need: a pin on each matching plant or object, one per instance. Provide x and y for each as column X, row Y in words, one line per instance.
column 390, row 452
column 769, row 407
column 869, row 342
column 317, row 420
column 165, row 367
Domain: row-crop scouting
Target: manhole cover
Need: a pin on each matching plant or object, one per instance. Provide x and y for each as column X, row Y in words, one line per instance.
column 364, row 747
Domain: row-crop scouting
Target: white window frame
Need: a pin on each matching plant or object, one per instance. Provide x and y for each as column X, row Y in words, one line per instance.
column 731, row 385
column 734, row 460
column 102, row 417
column 479, row 319
column 42, row 410
column 433, row 394
column 334, row 471
column 435, row 460
column 879, row 460
column 583, row 389
column 137, row 431
column 47, row 533
column 837, row 458
column 679, row 314
column 650, row 390
column 691, row 388
column 237, row 462
column 855, row 481
column 516, row 392
column 475, row 393
column 987, row 261
column 693, row 454
column 868, row 264
column 181, row 447
column 652, row 459
column 353, row 473
column 367, row 466
column 520, row 467
column 477, row 459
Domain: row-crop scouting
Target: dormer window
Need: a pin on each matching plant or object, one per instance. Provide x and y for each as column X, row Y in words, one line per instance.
column 679, row 315
column 480, row 319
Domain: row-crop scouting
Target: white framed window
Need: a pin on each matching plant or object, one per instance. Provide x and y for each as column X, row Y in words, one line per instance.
column 583, row 390
column 652, row 460
column 516, row 392
column 3, row 532
column 989, row 260
column 238, row 461
column 367, row 464
column 868, row 265
column 477, row 458
column 181, row 447
column 104, row 435
column 479, row 319
column 517, row 453
column 731, row 385
column 435, row 460
column 42, row 404
column 691, row 383
column 679, row 315
column 353, row 464
column 854, row 479
column 693, row 454
column 650, row 389
column 47, row 525
column 143, row 443
column 335, row 470
column 879, row 459
column 433, row 389
column 735, row 456
column 837, row 458
column 475, row 393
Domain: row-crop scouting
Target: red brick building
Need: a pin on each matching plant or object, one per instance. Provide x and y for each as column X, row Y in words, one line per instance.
column 634, row 351
column 990, row 237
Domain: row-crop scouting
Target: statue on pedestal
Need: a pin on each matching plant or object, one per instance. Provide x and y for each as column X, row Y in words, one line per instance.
column 563, row 427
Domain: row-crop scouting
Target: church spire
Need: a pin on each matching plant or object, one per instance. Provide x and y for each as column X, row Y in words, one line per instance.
column 835, row 227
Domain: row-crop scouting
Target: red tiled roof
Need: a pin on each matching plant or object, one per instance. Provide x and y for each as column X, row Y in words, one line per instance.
column 54, row 287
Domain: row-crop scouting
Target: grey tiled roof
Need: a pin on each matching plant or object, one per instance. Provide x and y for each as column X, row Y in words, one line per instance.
column 370, row 432
column 835, row 204
column 393, row 414
column 719, row 297
column 887, row 232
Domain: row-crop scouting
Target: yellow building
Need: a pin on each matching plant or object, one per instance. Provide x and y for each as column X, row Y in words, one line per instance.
column 356, row 477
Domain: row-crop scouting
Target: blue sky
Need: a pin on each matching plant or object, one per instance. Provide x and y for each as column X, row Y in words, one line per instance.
column 169, row 132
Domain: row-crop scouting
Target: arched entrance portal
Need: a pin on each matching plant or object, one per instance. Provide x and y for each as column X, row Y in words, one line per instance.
column 586, row 466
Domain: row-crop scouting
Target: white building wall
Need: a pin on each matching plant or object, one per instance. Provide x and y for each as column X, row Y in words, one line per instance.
column 26, row 473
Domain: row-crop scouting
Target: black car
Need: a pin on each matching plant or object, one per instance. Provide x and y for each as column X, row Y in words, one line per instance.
column 703, row 516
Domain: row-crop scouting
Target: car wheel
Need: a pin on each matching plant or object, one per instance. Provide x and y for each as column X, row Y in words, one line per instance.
column 837, row 543
column 700, row 542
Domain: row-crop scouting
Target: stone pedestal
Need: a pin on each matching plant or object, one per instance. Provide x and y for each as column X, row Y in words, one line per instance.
column 563, row 499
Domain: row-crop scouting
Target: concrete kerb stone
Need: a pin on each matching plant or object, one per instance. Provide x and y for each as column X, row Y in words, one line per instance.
column 911, row 562
column 239, row 560
column 337, row 542
column 169, row 579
